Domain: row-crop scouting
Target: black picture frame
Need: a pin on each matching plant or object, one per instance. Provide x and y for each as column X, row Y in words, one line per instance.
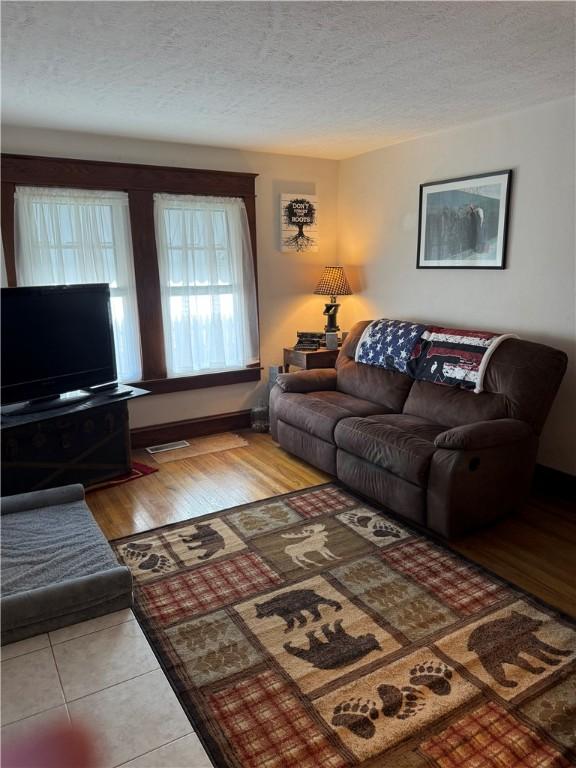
column 459, row 225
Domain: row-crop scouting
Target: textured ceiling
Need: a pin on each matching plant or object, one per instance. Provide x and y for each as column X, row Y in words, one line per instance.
column 328, row 79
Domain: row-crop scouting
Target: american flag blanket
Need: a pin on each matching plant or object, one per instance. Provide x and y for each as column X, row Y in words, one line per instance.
column 391, row 344
column 457, row 357
column 450, row 356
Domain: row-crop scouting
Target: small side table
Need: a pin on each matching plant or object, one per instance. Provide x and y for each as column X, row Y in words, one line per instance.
column 307, row 359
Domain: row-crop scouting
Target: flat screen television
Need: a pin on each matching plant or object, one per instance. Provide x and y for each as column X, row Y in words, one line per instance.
column 55, row 339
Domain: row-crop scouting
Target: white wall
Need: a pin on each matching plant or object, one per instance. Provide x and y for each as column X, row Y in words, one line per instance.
column 534, row 296
column 373, row 199
column 286, row 281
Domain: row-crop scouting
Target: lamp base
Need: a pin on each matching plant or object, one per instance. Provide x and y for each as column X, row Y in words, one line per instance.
column 331, row 314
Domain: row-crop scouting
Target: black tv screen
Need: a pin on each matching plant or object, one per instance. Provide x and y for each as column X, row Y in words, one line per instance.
column 55, row 339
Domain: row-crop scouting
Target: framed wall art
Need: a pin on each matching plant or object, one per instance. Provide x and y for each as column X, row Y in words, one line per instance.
column 299, row 228
column 463, row 222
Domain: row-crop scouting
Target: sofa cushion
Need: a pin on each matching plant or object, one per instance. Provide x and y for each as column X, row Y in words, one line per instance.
column 317, row 413
column 453, row 406
column 57, row 567
column 43, row 546
column 520, row 383
column 312, row 449
column 394, row 492
column 529, row 374
column 387, row 388
column 401, row 444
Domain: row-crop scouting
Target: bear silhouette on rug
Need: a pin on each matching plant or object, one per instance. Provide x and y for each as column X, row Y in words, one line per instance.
column 290, row 606
column 501, row 641
column 205, row 538
column 339, row 650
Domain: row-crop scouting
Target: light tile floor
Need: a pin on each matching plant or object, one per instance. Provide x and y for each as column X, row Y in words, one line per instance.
column 103, row 673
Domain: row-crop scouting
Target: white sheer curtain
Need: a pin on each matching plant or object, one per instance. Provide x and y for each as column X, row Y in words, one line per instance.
column 69, row 236
column 208, row 283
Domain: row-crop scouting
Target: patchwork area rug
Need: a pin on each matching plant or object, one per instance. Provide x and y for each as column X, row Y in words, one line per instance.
column 310, row 631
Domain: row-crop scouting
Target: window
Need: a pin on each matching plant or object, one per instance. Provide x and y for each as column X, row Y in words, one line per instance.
column 66, row 236
column 181, row 264
column 207, row 284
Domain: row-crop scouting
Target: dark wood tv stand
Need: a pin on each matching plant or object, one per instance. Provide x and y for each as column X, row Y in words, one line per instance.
column 85, row 441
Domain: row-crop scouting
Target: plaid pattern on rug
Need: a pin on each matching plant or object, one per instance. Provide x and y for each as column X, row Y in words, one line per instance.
column 313, row 630
column 490, row 737
column 321, row 502
column 448, row 577
column 261, row 718
column 207, row 588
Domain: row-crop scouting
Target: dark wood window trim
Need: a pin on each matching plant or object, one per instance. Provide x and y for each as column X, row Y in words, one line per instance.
column 140, row 182
column 201, row 380
column 141, row 208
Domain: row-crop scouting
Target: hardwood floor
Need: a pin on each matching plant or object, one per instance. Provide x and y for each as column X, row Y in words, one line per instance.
column 535, row 549
column 199, row 485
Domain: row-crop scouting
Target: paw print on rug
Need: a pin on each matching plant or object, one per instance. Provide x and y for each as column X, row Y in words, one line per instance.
column 400, row 703
column 140, row 556
column 380, row 529
column 360, row 715
column 357, row 715
column 434, row 675
column 384, row 530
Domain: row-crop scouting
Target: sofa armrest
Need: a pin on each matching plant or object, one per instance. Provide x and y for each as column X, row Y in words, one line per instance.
column 308, row 381
column 46, row 498
column 483, row 434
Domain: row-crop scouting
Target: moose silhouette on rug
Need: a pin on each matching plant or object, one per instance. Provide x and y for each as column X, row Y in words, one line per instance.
column 311, row 539
column 501, row 641
column 290, row 606
column 205, row 538
column 339, row 650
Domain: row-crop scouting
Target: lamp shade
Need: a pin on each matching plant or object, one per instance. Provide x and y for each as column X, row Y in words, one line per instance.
column 333, row 283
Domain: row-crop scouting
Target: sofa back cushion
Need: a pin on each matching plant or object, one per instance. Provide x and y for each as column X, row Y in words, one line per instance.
column 521, row 382
column 529, row 374
column 387, row 388
column 453, row 406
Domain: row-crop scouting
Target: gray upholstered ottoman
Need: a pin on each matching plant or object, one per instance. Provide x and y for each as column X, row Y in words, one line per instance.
column 57, row 567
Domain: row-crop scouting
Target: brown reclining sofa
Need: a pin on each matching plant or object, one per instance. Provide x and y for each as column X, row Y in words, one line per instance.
column 446, row 458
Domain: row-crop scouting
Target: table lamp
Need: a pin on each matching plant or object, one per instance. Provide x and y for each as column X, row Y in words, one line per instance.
column 333, row 283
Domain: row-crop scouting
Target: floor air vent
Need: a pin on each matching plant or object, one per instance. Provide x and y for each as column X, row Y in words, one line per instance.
column 168, row 446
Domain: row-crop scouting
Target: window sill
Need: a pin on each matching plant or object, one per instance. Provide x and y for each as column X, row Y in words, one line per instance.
column 200, row 381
